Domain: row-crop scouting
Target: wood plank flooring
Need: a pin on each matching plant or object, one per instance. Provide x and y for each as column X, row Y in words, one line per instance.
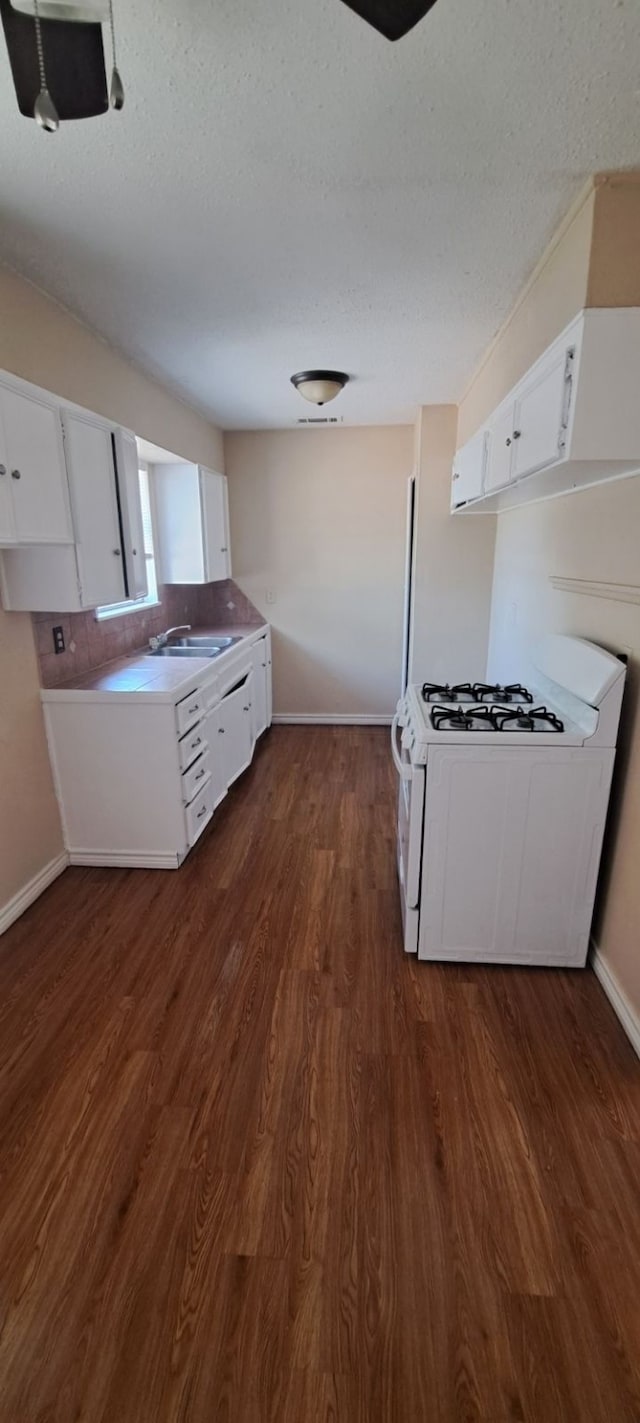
column 255, row 1164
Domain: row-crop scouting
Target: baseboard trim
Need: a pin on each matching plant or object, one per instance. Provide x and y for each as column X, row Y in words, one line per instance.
column 32, row 891
column 127, row 860
column 617, row 997
column 329, row 719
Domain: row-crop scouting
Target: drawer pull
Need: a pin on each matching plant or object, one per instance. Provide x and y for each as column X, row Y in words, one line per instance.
column 200, row 775
column 196, row 742
column 201, row 812
column 15, row 474
column 194, row 708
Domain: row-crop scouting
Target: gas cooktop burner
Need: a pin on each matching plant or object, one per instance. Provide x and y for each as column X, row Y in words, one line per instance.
column 483, row 692
column 460, row 692
column 513, row 692
column 495, row 718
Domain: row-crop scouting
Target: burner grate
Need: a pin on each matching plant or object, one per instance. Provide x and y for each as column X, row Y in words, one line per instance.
column 521, row 719
column 459, row 692
column 494, row 692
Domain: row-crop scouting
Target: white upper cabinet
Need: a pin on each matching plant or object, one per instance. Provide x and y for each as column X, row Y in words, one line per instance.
column 193, row 524
column 34, row 507
column 128, row 475
column 72, row 535
column 215, row 520
column 573, row 420
column 500, row 449
column 94, row 498
column 469, row 470
column 541, row 414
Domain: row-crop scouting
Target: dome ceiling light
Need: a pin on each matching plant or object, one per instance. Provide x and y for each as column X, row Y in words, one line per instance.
column 57, row 59
column 319, row 386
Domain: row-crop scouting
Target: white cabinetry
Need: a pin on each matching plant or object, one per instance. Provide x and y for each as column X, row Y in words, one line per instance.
column 106, row 563
column 234, row 739
column 192, row 510
column 573, row 420
column 138, row 778
column 94, row 499
column 34, row 507
column 469, row 470
column 261, row 653
column 500, row 444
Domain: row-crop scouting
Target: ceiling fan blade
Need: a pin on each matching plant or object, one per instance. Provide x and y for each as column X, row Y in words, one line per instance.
column 393, row 18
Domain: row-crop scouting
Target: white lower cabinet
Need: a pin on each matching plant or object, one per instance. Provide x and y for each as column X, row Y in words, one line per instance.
column 261, row 653
column 138, row 780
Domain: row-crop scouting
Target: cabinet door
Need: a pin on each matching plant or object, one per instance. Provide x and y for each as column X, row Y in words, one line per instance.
column 468, row 470
column 500, row 450
column 7, row 525
column 92, row 480
column 260, row 680
column 215, row 525
column 541, row 418
column 235, row 733
column 35, row 459
column 127, row 465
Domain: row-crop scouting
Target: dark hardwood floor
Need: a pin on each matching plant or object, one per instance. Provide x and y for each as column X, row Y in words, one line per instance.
column 257, row 1165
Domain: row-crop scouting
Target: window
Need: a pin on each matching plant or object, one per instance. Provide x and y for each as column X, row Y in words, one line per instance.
column 115, row 610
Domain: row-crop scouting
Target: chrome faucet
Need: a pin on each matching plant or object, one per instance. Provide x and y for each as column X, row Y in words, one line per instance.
column 163, row 637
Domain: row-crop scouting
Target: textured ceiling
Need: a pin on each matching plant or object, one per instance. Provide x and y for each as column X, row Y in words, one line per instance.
column 285, row 189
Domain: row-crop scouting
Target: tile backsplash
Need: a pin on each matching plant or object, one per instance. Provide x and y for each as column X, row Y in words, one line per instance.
column 89, row 643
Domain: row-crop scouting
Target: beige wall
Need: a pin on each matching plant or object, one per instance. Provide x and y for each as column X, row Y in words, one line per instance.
column 614, row 272
column 453, row 566
column 45, row 344
column 591, row 535
column 318, row 517
column 556, row 292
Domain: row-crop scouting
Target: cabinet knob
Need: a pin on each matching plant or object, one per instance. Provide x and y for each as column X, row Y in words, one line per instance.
column 3, row 469
column 517, row 434
column 508, row 440
column 134, row 552
column 116, row 552
column 224, row 550
column 15, row 474
column 456, row 475
column 220, row 731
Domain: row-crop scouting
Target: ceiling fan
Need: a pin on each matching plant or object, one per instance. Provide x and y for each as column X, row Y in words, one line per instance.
column 393, row 18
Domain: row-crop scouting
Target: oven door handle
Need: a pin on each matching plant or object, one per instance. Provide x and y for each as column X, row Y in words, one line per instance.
column 403, row 770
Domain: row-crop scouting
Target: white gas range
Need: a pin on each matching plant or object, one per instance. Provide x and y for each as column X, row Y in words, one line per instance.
column 502, row 807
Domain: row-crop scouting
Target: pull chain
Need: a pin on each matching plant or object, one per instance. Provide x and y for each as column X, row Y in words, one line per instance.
column 116, row 91
column 44, row 110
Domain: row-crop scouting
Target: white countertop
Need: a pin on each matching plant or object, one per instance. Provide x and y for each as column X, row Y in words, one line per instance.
column 142, row 677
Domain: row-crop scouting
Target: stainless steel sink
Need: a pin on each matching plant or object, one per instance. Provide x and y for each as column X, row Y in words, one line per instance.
column 204, row 640
column 211, row 650
column 197, row 646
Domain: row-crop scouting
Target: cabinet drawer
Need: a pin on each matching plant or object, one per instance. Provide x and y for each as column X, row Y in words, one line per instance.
column 189, row 711
column 194, row 778
column 192, row 745
column 199, row 813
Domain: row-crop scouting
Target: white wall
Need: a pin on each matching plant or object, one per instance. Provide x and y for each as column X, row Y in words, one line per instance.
column 454, row 565
column 318, row 518
column 592, row 535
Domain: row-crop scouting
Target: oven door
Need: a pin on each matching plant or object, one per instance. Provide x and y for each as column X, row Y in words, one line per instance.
column 410, row 819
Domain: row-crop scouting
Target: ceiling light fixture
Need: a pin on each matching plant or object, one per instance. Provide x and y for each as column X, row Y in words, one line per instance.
column 57, row 59
column 319, row 386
